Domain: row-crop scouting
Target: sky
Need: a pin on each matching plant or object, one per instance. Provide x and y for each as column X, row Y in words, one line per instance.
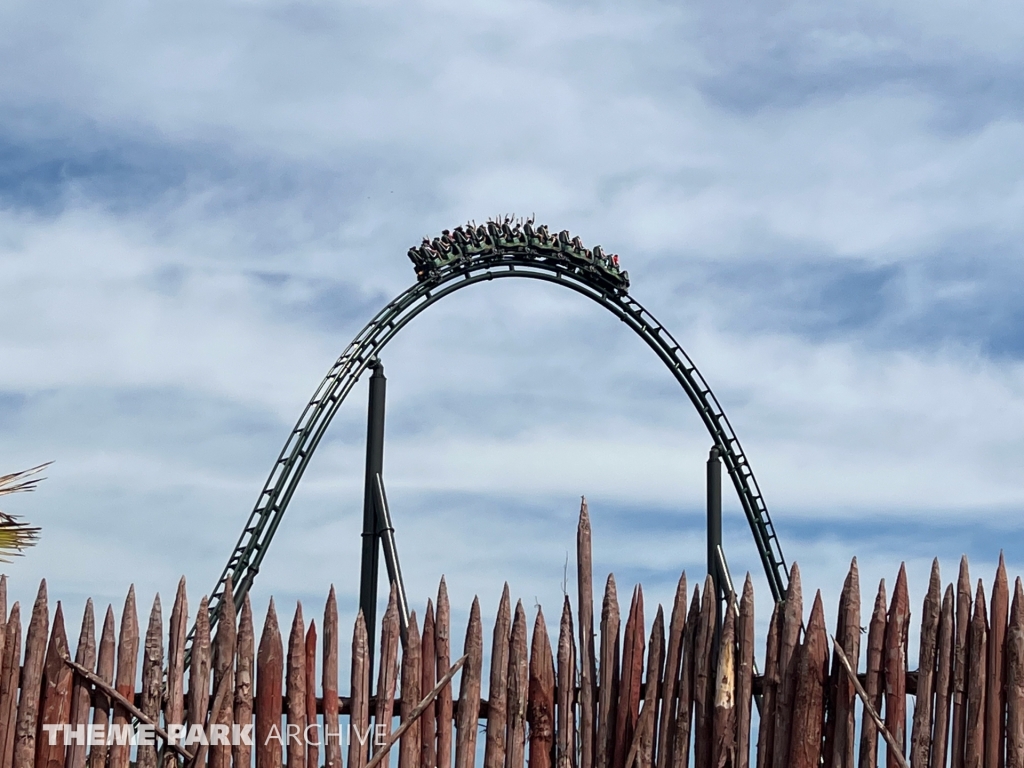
column 201, row 204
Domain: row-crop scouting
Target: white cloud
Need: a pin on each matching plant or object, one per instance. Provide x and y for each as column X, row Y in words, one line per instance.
column 204, row 203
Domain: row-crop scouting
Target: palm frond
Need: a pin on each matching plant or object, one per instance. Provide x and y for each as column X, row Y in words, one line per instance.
column 16, row 535
column 23, row 481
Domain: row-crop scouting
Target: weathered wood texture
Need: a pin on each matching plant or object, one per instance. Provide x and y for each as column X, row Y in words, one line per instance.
column 960, row 658
column 223, row 664
column 674, row 694
column 245, row 677
column 670, row 683
column 897, row 627
column 540, row 706
column 412, row 678
column 608, row 672
column 588, row 661
column 331, row 738
column 518, row 691
column 497, row 698
column 840, row 732
column 468, row 714
column 789, row 641
column 810, row 673
column 442, row 658
column 359, row 706
column 269, row 677
column 921, row 734
column 744, row 672
column 565, row 687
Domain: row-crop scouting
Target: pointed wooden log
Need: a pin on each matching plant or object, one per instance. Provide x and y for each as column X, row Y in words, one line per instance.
column 684, row 709
column 1015, row 681
column 723, row 726
column 977, row 663
column 387, row 679
column 332, row 727
column 540, row 707
column 497, row 714
column 809, row 694
column 897, row 628
column 428, row 670
column 670, row 684
column 152, row 678
column 9, row 685
column 565, row 688
column 588, row 661
column 359, row 719
column 921, row 733
column 874, row 679
column 124, row 679
column 224, row 648
column 245, row 662
column 840, row 725
column 629, row 685
column 468, row 712
column 636, row 681
column 518, row 691
column 295, row 691
column 960, row 658
column 269, row 678
column 620, row 738
column 199, row 675
column 31, row 681
column 442, row 650
column 704, row 675
column 648, row 724
column 412, row 674
column 56, row 695
column 174, row 707
column 608, row 689
column 3, row 600
column 995, row 694
column 943, row 682
column 312, row 733
column 770, row 691
column 81, row 700
column 744, row 672
column 789, row 639
column 101, row 702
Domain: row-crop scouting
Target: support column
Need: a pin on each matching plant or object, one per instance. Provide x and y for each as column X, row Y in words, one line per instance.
column 371, row 528
column 715, row 529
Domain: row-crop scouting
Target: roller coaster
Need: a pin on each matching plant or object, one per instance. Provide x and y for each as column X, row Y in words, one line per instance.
column 456, row 260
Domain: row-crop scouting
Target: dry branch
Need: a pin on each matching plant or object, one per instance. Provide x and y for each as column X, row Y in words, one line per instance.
column 415, row 714
column 869, row 707
column 108, row 690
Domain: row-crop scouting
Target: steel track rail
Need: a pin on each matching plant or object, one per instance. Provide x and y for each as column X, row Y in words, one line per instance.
column 265, row 518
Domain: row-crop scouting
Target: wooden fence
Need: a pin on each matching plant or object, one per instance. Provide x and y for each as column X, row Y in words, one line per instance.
column 684, row 694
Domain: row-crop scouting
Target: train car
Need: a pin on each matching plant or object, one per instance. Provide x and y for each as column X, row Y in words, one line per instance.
column 500, row 237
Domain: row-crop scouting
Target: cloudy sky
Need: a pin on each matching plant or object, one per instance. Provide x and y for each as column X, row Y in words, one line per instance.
column 202, row 203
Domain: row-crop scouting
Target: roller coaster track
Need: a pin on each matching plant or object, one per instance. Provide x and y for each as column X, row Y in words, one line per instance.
column 522, row 262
